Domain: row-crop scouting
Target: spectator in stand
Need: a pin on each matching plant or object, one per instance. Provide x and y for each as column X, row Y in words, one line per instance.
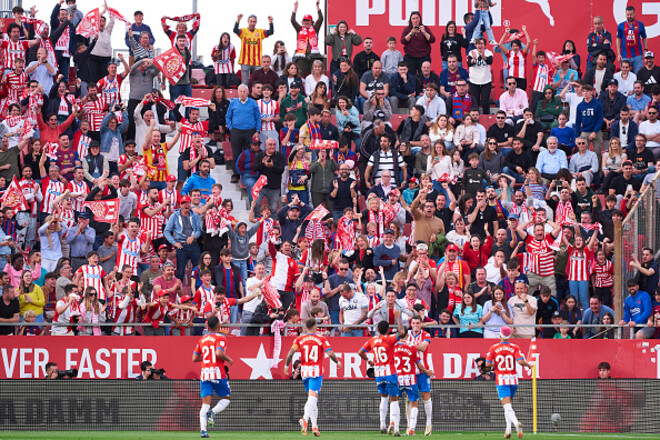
column 218, row 108
column 9, row 310
column 353, row 308
column 343, row 192
column 450, row 76
column 501, row 132
column 402, row 88
column 223, row 57
column 599, row 76
column 294, row 103
column 371, row 81
column 135, row 32
column 386, row 159
column 379, row 107
column 584, row 163
column 265, row 75
column 101, row 54
column 637, row 307
column 638, row 102
column 141, row 78
column 345, row 82
column 631, row 40
column 41, row 70
column 599, row 41
column 541, row 271
column 594, row 315
column 626, row 78
column 307, row 47
column 65, row 45
column 524, row 309
column 552, row 159
column 516, row 58
column 548, row 109
column 425, row 76
column 651, row 129
column 391, row 58
column 341, row 41
column 589, row 120
column 243, row 120
column 246, row 165
column 427, row 225
column 364, row 61
column 417, row 40
column 518, row 160
column 251, row 39
column 111, row 144
column 433, row 105
column 513, row 101
column 452, row 43
column 479, row 61
column 323, row 172
column 386, row 255
column 182, row 231
column 648, row 270
column 49, row 236
column 270, row 163
column 625, row 129
column 530, row 131
column 612, row 102
column 649, row 74
column 280, row 57
column 564, row 75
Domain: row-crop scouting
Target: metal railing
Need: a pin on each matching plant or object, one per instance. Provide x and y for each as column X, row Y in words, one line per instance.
column 640, row 229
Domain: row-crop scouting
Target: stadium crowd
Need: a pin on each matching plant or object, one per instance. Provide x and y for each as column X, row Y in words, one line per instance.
column 362, row 214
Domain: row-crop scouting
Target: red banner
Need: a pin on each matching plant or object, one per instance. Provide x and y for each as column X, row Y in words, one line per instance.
column 106, row 211
column 323, row 145
column 90, row 24
column 258, row 185
column 13, row 196
column 116, row 357
column 550, row 21
column 171, row 64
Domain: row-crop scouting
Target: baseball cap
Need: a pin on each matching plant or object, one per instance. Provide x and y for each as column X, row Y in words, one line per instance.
column 294, row 206
column 308, row 279
column 186, row 298
column 649, row 54
column 296, row 83
column 85, row 215
column 171, row 178
column 613, row 81
column 413, row 180
column 162, row 293
column 388, row 231
column 255, row 139
column 505, row 332
column 308, row 17
column 556, row 314
column 129, row 142
column 422, row 247
column 163, row 246
column 452, row 247
column 185, row 199
column 514, row 217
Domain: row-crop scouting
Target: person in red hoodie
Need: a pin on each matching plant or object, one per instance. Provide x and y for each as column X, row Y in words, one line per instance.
column 476, row 252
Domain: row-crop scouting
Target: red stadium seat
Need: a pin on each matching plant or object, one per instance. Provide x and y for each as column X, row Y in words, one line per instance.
column 397, row 120
column 487, row 120
column 362, row 203
column 226, row 147
column 202, row 93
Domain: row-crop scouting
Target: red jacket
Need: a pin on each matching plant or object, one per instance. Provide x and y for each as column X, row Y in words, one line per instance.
column 47, row 135
column 477, row 258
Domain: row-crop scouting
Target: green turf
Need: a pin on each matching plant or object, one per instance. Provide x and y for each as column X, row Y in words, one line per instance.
column 141, row 435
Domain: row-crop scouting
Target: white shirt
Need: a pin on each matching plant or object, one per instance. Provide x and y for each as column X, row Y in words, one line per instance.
column 435, row 108
column 310, row 83
column 572, row 99
column 353, row 307
column 626, row 85
column 650, row 129
column 251, row 305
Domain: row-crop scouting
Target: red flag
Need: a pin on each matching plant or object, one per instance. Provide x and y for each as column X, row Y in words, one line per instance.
column 187, row 101
column 514, row 36
column 13, row 196
column 323, row 145
column 531, row 355
column 117, row 15
column 256, row 189
column 556, row 59
column 346, row 234
column 318, row 214
column 90, row 24
column 106, row 211
column 27, row 130
column 271, row 295
column 172, row 64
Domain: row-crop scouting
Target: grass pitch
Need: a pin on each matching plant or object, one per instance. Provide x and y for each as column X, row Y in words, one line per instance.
column 142, row 435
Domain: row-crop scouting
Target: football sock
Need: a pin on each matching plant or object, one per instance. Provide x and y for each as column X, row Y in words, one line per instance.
column 313, row 410
column 412, row 423
column 203, row 420
column 428, row 409
column 383, row 412
column 508, row 420
column 224, row 403
column 508, row 409
column 395, row 414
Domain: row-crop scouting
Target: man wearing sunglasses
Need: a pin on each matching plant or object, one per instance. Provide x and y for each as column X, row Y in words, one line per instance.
column 513, row 101
column 651, row 128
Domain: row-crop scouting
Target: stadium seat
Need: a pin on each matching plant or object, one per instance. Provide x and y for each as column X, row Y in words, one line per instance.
column 226, row 147
column 202, row 93
column 487, row 120
column 396, row 121
column 362, row 203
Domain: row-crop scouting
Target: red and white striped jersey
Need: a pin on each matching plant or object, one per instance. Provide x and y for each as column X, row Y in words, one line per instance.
column 405, row 364
column 11, row 51
column 203, row 296
column 383, row 351
column 81, row 144
column 143, row 198
column 578, row 267
column 312, row 347
column 34, row 103
column 541, row 260
column 212, row 367
column 265, row 228
column 151, row 223
column 516, row 64
column 184, row 316
column 16, row 83
column 128, row 251
column 82, row 189
column 173, row 196
column 603, row 274
column 94, row 112
column 504, row 356
column 67, row 219
column 541, row 74
column 64, row 318
column 187, row 129
column 50, row 190
column 285, row 270
column 417, row 339
column 126, row 315
column 268, row 110
column 110, row 88
column 373, row 241
column 117, row 285
column 155, row 314
column 225, row 62
column 28, row 186
column 93, row 276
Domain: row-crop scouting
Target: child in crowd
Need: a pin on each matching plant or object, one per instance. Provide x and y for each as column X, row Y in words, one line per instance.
column 391, row 57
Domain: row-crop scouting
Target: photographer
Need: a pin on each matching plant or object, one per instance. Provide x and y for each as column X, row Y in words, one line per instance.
column 151, row 373
column 51, row 370
column 53, row 373
column 112, row 145
column 377, row 107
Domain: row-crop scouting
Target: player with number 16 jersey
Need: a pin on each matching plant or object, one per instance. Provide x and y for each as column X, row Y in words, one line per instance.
column 210, row 351
column 312, row 347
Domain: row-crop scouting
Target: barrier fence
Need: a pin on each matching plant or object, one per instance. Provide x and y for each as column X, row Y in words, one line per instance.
column 129, row 405
column 639, row 229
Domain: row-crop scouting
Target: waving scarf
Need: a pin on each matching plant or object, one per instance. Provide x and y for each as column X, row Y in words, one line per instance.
column 346, row 234
column 182, row 18
column 382, row 218
column 563, row 212
column 307, row 36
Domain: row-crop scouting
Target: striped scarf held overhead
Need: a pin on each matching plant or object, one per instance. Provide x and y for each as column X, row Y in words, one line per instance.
column 314, row 131
column 563, row 212
column 314, row 230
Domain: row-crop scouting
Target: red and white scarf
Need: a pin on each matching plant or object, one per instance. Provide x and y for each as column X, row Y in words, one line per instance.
column 314, row 230
column 563, row 212
column 187, row 101
column 307, row 36
column 346, row 234
column 194, row 154
column 383, row 218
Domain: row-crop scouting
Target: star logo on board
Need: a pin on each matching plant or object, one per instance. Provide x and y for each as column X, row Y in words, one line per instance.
column 261, row 365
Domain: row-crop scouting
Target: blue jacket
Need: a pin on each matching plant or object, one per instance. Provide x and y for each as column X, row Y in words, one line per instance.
column 589, row 117
column 637, row 308
column 388, row 258
column 400, row 89
column 174, row 228
column 107, row 134
column 196, row 181
column 633, row 130
column 55, row 23
column 589, row 318
column 243, row 116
